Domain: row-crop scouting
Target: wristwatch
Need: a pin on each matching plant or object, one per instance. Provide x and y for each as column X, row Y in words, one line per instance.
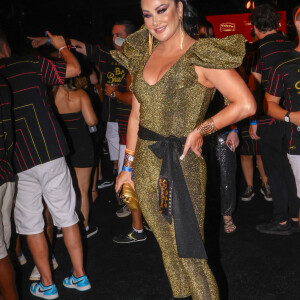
column 287, row 117
column 113, row 95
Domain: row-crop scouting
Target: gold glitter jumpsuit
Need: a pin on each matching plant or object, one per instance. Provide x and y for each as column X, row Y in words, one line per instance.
column 175, row 105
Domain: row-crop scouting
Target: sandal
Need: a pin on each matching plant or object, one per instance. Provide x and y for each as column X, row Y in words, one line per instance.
column 229, row 226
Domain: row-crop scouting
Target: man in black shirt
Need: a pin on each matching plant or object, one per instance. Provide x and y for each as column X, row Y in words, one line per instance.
column 116, row 106
column 7, row 190
column 284, row 81
column 39, row 161
column 273, row 47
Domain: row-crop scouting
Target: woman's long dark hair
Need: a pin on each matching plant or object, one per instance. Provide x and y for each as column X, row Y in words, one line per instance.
column 190, row 18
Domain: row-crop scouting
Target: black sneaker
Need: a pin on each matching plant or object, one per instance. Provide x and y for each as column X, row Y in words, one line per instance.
column 103, row 183
column 266, row 191
column 248, row 194
column 274, row 227
column 146, row 226
column 88, row 233
column 131, row 237
column 295, row 226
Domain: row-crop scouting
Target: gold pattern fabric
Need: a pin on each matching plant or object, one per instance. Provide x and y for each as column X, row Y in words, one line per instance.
column 174, row 106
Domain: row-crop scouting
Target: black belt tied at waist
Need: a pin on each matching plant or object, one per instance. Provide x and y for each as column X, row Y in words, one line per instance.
column 174, row 197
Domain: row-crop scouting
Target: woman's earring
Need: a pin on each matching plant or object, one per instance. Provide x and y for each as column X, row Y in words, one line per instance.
column 181, row 33
column 150, row 43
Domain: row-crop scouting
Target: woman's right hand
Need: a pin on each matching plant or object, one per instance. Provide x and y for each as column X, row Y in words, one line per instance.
column 122, row 178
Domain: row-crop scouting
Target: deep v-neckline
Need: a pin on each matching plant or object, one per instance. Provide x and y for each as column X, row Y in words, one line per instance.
column 169, row 69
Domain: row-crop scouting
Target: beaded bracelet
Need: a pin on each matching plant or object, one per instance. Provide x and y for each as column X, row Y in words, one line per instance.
column 129, row 158
column 130, row 152
column 253, row 122
column 234, row 130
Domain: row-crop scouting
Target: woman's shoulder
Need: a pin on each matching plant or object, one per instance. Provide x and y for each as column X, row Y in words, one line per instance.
column 75, row 95
column 214, row 53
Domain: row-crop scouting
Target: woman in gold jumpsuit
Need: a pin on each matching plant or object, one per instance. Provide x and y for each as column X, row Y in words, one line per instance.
column 173, row 81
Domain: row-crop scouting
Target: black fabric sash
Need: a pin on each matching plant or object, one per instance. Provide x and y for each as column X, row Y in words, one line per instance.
column 187, row 233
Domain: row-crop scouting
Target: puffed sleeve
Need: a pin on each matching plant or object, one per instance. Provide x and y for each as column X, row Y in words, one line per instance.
column 213, row 53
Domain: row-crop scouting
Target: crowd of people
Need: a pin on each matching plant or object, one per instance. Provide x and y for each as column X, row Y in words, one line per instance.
column 167, row 96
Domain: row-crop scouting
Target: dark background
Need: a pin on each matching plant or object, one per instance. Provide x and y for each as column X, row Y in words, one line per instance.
column 92, row 20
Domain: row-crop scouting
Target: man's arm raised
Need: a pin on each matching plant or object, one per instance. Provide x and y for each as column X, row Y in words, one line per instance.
column 73, row 67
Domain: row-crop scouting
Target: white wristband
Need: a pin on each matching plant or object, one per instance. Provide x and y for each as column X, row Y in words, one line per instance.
column 62, row 48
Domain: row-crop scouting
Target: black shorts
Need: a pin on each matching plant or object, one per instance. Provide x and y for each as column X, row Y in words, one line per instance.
column 248, row 146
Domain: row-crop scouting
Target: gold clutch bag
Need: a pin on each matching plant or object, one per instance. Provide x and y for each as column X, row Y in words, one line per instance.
column 129, row 197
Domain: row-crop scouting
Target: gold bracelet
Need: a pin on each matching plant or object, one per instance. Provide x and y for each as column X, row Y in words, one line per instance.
column 206, row 128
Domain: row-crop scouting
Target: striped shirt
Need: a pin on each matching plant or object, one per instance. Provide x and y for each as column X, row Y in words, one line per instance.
column 284, row 81
column 271, row 50
column 6, row 133
column 38, row 136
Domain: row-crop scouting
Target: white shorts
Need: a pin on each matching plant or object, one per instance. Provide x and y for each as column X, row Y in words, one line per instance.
column 121, row 157
column 112, row 136
column 295, row 164
column 53, row 182
column 7, row 191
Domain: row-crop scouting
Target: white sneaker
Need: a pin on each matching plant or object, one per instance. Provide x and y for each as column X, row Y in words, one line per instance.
column 35, row 274
column 123, row 212
column 22, row 259
column 44, row 292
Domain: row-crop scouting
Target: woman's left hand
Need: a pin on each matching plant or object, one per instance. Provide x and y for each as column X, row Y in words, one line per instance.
column 194, row 141
column 232, row 140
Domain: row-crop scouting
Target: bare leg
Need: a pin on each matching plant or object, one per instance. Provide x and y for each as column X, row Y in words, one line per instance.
column 18, row 246
column 49, row 226
column 137, row 220
column 7, row 280
column 100, row 177
column 83, row 178
column 94, row 188
column 73, row 243
column 39, row 249
column 247, row 167
column 261, row 169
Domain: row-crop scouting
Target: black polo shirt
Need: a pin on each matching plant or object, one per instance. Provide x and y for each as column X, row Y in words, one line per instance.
column 38, row 136
column 114, row 74
column 6, row 133
column 271, row 50
column 284, row 81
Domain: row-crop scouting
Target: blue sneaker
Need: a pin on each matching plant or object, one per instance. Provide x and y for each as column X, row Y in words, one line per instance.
column 81, row 284
column 45, row 292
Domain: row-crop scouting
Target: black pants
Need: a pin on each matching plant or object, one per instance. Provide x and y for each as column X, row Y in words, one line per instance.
column 227, row 166
column 278, row 169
